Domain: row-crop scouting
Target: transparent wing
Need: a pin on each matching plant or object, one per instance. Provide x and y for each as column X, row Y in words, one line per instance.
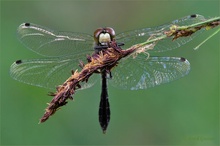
column 48, row 42
column 131, row 38
column 143, row 73
column 48, row 73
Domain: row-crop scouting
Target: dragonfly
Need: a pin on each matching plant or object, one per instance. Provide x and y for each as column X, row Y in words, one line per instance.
column 75, row 61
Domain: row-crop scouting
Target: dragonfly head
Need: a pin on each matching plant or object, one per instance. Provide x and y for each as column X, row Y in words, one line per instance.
column 103, row 35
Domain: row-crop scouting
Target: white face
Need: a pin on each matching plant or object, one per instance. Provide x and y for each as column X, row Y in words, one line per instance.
column 104, row 38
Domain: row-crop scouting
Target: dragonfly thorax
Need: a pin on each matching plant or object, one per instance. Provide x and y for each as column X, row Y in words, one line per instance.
column 103, row 35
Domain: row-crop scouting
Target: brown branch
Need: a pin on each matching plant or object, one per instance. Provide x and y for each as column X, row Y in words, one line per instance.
column 105, row 59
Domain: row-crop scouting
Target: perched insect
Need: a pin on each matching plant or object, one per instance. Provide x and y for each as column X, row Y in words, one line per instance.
column 124, row 59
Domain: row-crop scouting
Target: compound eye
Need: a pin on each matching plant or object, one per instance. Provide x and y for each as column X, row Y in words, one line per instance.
column 96, row 35
column 111, row 32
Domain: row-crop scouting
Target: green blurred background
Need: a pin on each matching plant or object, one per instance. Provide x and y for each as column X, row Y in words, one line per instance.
column 183, row 112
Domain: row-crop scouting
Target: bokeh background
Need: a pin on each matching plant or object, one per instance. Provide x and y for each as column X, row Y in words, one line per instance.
column 183, row 112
